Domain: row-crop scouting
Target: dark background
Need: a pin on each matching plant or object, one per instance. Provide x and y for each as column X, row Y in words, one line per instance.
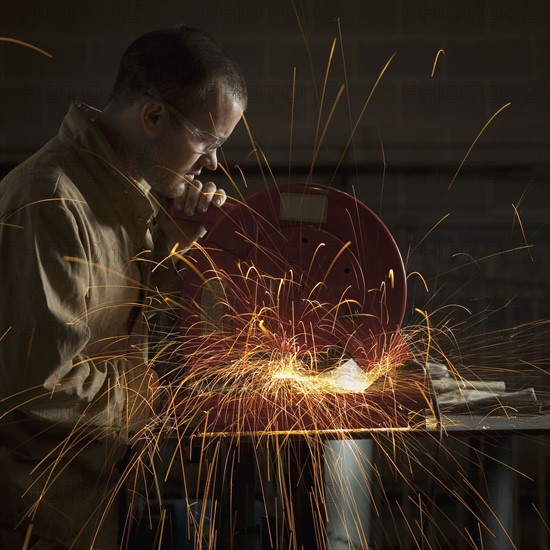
column 406, row 150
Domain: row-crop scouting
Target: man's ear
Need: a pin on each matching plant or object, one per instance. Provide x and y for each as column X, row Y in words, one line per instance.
column 154, row 116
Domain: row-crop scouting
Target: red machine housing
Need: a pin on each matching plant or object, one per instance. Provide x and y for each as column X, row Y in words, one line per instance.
column 302, row 269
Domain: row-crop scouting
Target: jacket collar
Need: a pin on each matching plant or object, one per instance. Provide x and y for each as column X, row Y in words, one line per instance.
column 80, row 132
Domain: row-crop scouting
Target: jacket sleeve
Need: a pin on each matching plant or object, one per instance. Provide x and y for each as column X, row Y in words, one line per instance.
column 45, row 278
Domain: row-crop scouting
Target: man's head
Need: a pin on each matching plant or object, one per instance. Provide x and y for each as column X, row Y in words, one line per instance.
column 182, row 64
column 179, row 96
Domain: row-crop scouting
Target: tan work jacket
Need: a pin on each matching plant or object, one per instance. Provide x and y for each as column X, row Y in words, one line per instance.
column 75, row 249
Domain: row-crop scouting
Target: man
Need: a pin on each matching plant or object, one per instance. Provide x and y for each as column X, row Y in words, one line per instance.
column 81, row 223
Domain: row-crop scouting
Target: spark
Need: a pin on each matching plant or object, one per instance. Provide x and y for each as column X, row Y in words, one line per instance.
column 348, row 98
column 384, row 167
column 421, row 277
column 359, row 118
column 427, row 319
column 334, row 260
column 28, row 534
column 317, row 140
column 516, row 212
column 254, row 144
column 544, row 520
column 475, row 141
column 429, row 232
column 26, row 45
column 189, row 263
column 441, row 51
column 14, row 226
column 291, row 122
column 487, row 257
column 261, row 324
column 5, row 333
column 325, row 128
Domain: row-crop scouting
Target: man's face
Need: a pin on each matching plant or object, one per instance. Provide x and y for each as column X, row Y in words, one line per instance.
column 172, row 159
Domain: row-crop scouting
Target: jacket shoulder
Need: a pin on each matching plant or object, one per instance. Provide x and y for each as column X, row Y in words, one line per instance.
column 48, row 173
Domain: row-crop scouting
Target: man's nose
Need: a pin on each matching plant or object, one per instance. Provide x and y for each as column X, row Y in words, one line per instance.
column 210, row 160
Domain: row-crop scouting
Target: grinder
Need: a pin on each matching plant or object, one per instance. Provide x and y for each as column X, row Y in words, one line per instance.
column 304, row 269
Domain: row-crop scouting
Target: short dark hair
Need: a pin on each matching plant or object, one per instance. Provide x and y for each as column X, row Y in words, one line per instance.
column 181, row 64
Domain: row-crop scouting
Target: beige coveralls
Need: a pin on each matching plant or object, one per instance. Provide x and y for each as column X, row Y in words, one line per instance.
column 75, row 250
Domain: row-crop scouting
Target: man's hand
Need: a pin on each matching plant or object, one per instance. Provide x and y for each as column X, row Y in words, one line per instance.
column 197, row 198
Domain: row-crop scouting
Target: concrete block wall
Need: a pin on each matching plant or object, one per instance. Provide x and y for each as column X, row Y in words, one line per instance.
column 495, row 52
column 482, row 281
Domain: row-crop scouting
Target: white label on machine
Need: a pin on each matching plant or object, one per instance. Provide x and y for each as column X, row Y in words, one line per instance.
column 307, row 208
